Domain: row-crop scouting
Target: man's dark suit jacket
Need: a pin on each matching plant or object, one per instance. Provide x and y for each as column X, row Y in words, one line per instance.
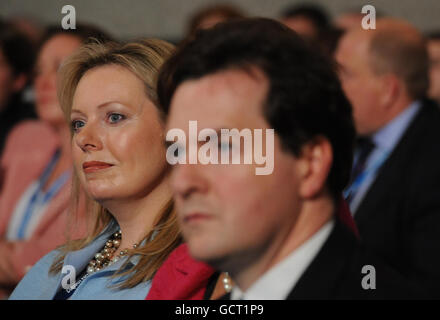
column 399, row 217
column 336, row 273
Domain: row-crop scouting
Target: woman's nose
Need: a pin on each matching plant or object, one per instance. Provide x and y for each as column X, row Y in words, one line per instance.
column 45, row 81
column 88, row 138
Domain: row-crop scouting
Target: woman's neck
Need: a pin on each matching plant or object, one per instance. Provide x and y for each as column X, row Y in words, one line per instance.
column 136, row 217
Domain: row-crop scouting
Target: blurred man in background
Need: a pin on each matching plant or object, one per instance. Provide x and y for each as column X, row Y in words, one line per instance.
column 394, row 191
column 434, row 65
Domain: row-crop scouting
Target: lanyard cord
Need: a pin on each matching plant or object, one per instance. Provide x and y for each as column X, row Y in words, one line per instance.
column 369, row 171
column 55, row 187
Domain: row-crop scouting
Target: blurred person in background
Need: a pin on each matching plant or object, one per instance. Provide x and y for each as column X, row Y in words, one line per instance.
column 208, row 17
column 308, row 20
column 37, row 167
column 395, row 181
column 352, row 18
column 16, row 62
column 29, row 26
column 349, row 19
column 312, row 23
column 434, row 65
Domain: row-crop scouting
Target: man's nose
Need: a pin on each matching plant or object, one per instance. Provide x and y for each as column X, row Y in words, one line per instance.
column 187, row 179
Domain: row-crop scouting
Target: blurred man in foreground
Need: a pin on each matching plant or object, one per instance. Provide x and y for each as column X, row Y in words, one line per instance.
column 276, row 234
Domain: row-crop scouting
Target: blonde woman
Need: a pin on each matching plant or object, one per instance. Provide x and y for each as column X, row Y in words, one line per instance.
column 108, row 94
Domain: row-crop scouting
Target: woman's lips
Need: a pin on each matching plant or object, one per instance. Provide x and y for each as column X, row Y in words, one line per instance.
column 93, row 166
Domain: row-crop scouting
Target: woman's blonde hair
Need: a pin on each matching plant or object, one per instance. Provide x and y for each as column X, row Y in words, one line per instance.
column 144, row 59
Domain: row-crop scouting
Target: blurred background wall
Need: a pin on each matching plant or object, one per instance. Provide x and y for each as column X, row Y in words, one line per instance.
column 167, row 18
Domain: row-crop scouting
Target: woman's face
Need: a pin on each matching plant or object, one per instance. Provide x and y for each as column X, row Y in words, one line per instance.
column 51, row 55
column 117, row 145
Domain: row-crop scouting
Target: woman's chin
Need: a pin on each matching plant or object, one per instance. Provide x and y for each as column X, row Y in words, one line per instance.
column 102, row 196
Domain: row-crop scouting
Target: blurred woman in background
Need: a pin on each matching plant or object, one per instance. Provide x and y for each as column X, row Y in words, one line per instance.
column 37, row 166
column 16, row 62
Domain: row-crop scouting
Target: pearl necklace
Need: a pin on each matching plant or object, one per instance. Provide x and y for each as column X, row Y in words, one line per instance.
column 227, row 282
column 103, row 258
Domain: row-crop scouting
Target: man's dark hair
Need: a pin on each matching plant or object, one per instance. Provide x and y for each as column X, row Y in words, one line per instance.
column 305, row 98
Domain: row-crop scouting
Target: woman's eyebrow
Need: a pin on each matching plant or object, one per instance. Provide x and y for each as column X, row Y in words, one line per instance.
column 76, row 111
column 100, row 106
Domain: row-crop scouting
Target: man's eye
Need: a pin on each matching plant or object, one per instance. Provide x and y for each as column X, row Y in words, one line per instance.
column 115, row 117
column 77, row 124
column 224, row 146
column 180, row 152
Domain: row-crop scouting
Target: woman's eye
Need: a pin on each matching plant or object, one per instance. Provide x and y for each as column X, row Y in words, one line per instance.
column 115, row 117
column 77, row 124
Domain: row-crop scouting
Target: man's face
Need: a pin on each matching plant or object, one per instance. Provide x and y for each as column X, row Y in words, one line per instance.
column 229, row 215
column 434, row 69
column 361, row 86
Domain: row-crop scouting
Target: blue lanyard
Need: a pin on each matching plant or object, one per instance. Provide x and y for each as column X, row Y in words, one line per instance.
column 369, row 171
column 56, row 186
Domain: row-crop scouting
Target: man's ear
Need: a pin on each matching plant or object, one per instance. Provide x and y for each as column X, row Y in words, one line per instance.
column 391, row 86
column 314, row 166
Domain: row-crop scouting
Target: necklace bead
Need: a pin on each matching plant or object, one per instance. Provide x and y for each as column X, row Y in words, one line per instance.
column 227, row 282
column 104, row 258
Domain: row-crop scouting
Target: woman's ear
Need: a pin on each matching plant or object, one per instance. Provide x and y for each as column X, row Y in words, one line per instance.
column 314, row 166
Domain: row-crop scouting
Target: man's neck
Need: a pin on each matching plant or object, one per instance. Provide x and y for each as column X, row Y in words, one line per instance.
column 313, row 216
column 399, row 106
